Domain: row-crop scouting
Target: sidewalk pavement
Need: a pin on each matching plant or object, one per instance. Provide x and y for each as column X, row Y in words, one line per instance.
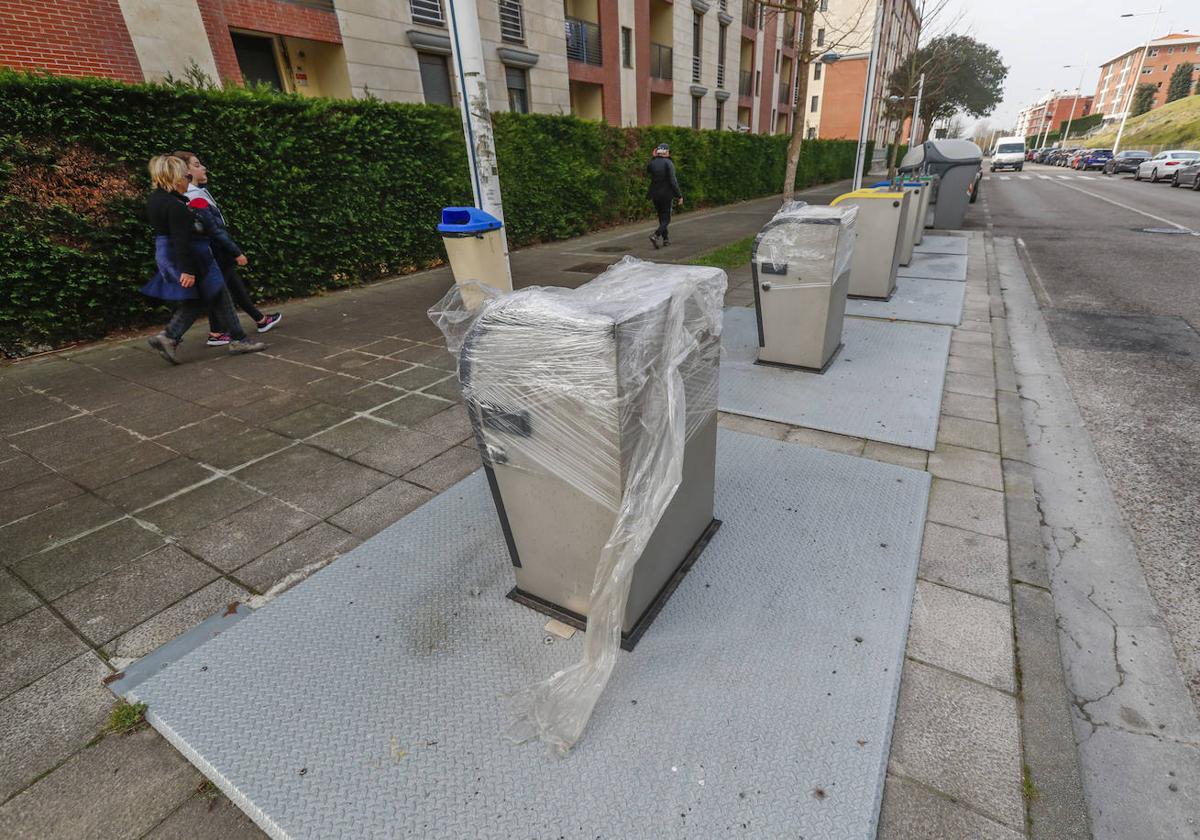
column 139, row 499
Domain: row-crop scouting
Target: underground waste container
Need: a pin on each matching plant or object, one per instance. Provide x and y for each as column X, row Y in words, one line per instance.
column 957, row 163
column 556, row 384
column 879, row 228
column 474, row 243
column 911, row 219
column 800, row 266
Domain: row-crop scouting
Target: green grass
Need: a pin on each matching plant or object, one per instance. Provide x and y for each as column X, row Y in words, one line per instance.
column 1027, row 786
column 125, row 717
column 733, row 255
column 1174, row 125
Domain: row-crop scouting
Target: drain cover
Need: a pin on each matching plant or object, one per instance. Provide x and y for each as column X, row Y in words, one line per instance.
column 588, row 267
column 1172, row 230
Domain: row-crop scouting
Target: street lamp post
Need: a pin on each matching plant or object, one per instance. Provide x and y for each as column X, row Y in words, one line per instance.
column 1074, row 102
column 1047, row 118
column 1136, row 79
column 868, row 97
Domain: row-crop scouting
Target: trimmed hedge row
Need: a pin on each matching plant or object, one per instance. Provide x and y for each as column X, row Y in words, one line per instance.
column 320, row 193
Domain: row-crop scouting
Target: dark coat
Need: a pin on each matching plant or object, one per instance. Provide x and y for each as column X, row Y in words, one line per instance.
column 662, row 179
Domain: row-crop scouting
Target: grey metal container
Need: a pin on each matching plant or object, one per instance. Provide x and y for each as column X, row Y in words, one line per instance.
column 959, row 163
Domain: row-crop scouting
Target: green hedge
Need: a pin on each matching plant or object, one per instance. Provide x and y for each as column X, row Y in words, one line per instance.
column 321, row 193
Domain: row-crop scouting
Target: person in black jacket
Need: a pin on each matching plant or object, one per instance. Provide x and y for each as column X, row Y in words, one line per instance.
column 664, row 191
column 187, row 273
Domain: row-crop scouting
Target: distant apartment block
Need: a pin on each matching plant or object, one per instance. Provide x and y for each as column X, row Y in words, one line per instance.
column 727, row 64
column 1119, row 77
column 1053, row 113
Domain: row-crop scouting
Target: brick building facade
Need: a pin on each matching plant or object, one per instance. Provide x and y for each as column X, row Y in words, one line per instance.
column 1119, row 77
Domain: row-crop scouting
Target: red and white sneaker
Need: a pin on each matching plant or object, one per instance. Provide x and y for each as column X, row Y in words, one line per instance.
column 218, row 339
column 269, row 321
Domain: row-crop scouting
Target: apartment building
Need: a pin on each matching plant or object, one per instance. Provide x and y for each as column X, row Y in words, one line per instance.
column 1119, row 77
column 1053, row 112
column 726, row 64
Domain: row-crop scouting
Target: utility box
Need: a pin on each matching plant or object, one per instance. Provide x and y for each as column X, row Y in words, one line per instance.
column 475, row 246
column 556, row 384
column 881, row 225
column 959, row 164
column 801, row 271
column 912, row 220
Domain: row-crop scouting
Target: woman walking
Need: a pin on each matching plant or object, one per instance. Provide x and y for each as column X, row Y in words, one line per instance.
column 187, row 272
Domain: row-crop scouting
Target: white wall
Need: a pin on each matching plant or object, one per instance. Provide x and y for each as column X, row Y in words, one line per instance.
column 167, row 37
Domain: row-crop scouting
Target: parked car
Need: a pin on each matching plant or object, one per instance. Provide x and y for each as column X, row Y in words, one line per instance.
column 1029, row 153
column 1077, row 157
column 1064, row 159
column 1010, row 153
column 1055, row 155
column 1094, row 159
column 1163, row 164
column 1188, row 175
column 1127, row 161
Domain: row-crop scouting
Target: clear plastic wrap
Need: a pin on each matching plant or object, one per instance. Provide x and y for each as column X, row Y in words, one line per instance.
column 788, row 240
column 599, row 387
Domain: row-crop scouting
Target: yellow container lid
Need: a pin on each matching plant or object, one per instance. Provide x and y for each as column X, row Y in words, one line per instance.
column 869, row 193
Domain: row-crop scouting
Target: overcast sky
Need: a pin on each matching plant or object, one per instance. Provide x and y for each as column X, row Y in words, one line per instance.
column 1036, row 39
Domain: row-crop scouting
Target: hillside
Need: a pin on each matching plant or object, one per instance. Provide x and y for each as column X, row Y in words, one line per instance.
column 1174, row 125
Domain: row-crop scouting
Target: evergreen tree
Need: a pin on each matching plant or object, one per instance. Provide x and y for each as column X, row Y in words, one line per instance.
column 1143, row 99
column 1181, row 82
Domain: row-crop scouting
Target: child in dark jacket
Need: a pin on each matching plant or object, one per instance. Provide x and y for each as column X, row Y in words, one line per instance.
column 229, row 256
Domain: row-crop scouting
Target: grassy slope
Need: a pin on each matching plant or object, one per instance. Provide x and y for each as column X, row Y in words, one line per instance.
column 1174, row 125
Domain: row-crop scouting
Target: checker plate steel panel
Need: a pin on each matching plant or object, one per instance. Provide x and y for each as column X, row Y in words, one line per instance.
column 916, row 299
column 934, row 243
column 368, row 702
column 885, row 384
column 935, row 267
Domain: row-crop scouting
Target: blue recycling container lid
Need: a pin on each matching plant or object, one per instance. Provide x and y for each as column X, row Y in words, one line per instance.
column 467, row 220
column 906, row 183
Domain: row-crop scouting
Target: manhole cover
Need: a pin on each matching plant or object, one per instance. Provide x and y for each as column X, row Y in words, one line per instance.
column 1169, row 230
column 614, row 249
column 588, row 268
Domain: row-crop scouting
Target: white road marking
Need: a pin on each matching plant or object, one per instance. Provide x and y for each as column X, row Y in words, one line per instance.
column 1024, row 177
column 1004, row 177
column 1064, row 177
column 1045, row 177
column 1131, row 209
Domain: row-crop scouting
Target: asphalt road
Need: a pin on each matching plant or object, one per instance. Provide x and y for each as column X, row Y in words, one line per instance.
column 1123, row 308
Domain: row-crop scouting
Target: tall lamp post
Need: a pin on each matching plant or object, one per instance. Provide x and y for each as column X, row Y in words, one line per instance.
column 1074, row 102
column 1047, row 119
column 1136, row 79
column 868, row 97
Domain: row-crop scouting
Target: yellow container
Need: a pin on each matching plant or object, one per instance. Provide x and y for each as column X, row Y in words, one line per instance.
column 881, row 227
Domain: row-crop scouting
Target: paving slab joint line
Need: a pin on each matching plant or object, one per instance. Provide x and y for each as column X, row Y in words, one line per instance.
column 960, row 803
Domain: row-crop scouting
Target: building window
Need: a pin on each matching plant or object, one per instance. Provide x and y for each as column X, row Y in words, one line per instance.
column 256, row 59
column 697, row 41
column 1170, row 50
column 626, row 46
column 812, row 132
column 777, row 61
column 820, row 37
column 512, row 22
column 695, row 112
column 720, row 115
column 817, row 71
column 722, row 31
column 824, row 7
column 813, row 105
column 435, row 78
column 427, row 11
column 757, row 82
column 518, row 89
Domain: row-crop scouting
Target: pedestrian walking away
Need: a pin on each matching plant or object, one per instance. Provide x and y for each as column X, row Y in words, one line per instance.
column 664, row 191
column 188, row 274
column 228, row 253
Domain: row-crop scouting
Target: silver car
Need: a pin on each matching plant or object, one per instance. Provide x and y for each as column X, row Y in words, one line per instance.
column 1162, row 166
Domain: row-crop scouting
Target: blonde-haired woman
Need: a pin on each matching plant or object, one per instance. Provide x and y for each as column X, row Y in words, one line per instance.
column 187, row 272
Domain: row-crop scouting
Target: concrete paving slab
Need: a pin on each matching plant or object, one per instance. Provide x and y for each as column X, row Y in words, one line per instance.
column 35, row 495
column 273, row 406
column 32, row 646
column 976, row 386
column 234, row 541
column 309, row 421
column 936, row 243
column 915, row 299
column 45, row 722
column 60, row 570
column 15, row 598
column 370, row 396
column 416, row 377
column 23, row 413
column 118, row 464
column 753, row 426
column 962, row 738
column 350, row 437
column 914, row 812
column 289, row 476
column 299, row 557
column 121, row 787
column 54, row 525
column 397, row 451
column 72, row 441
column 411, row 410
column 969, row 466
column 251, row 445
column 197, row 508
column 158, row 413
column 884, row 385
column 176, row 619
column 965, row 506
column 150, row 486
column 836, row 755
column 972, row 408
column 452, row 424
column 129, row 595
column 447, row 469
column 935, row 267
column 901, row 456
column 963, row 633
column 207, row 817
column 17, row 468
column 967, row 364
column 377, row 511
column 965, row 560
column 447, row 389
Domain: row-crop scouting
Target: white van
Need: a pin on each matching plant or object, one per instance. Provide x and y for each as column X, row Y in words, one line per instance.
column 1009, row 152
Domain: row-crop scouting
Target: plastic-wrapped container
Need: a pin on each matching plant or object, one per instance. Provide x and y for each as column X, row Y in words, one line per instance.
column 590, row 407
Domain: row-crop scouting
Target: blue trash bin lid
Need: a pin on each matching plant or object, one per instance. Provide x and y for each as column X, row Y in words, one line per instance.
column 467, row 220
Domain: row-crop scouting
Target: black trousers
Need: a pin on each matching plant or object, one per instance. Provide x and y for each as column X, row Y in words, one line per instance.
column 237, row 291
column 663, row 206
column 221, row 316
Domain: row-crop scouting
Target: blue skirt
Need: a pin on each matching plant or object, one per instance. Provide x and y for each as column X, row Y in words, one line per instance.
column 165, row 284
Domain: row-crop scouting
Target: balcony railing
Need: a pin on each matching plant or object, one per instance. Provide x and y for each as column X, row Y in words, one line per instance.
column 746, row 83
column 720, row 75
column 750, row 14
column 662, row 60
column 695, row 69
column 789, row 35
column 428, row 11
column 583, row 41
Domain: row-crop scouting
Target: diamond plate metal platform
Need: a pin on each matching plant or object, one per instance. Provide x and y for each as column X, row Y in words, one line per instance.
column 916, row 299
column 940, row 243
column 885, row 384
column 368, row 702
column 935, row 267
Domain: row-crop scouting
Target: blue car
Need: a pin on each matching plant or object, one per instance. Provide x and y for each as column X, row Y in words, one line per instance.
column 1095, row 159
